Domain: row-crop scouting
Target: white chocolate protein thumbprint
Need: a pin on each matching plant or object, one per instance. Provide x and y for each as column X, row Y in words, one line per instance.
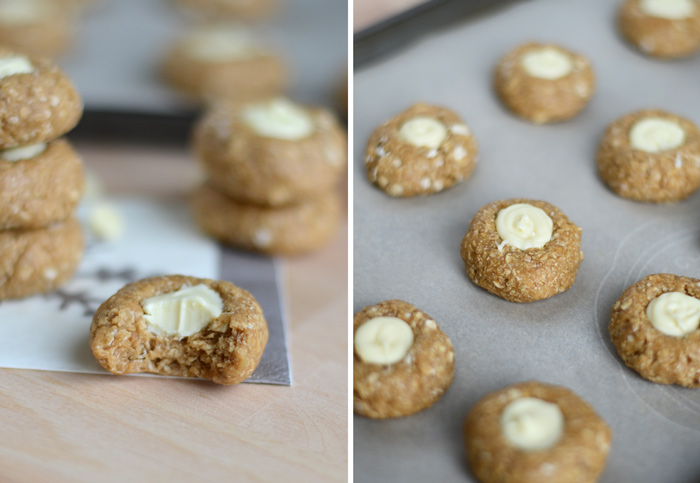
column 522, row 250
column 651, row 156
column 662, row 28
column 544, row 83
column 654, row 325
column 535, row 433
column 421, row 151
column 402, row 362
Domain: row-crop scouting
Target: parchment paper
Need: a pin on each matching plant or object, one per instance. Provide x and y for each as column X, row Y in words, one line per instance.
column 409, row 248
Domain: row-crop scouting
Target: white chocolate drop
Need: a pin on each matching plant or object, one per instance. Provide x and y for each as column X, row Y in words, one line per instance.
column 383, row 340
column 532, row 424
column 547, row 63
column 280, row 119
column 524, row 226
column 655, row 134
column 184, row 312
column 221, row 44
column 25, row 152
column 15, row 65
column 423, row 131
column 106, row 222
column 668, row 9
column 674, row 313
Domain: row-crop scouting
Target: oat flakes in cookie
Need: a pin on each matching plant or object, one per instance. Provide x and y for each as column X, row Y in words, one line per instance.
column 535, row 433
column 651, row 155
column 522, row 250
column 544, row 83
column 662, row 28
column 421, row 151
column 285, row 230
column 271, row 152
column 655, row 325
column 402, row 361
column 180, row 326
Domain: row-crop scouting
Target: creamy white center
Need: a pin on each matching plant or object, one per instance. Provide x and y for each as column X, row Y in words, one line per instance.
column 532, row 424
column 280, row 119
column 669, row 9
column 547, row 63
column 383, row 340
column 422, row 131
column 655, row 134
column 24, row 152
column 15, row 65
column 220, row 44
column 674, row 313
column 524, row 226
column 184, row 312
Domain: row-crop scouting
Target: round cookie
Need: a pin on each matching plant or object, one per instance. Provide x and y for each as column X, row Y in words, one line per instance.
column 662, row 28
column 516, row 274
column 39, row 184
column 287, row 230
column 223, row 61
column 544, row 83
column 226, row 350
column 498, row 447
column 216, row 9
column 38, row 261
column 652, row 156
column 421, row 151
column 36, row 27
column 655, row 355
column 271, row 152
column 418, row 373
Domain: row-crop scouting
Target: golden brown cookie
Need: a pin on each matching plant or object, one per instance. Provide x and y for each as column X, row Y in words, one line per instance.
column 421, row 151
column 216, row 9
column 41, row 189
column 651, row 155
column 655, row 355
column 36, row 27
column 662, row 28
column 401, row 370
column 224, row 62
column 544, row 83
column 579, row 454
column 285, row 230
column 273, row 152
column 38, row 261
column 515, row 274
column 226, row 350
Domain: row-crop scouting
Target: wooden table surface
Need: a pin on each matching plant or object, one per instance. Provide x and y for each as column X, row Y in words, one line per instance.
column 63, row 427
column 369, row 12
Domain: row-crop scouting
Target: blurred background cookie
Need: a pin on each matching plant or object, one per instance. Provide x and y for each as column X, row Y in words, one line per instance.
column 236, row 9
column 37, row 27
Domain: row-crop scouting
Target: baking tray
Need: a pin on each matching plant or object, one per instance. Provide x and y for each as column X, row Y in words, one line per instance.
column 409, row 248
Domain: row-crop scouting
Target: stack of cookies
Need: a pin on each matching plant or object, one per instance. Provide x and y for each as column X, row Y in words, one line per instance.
column 41, row 177
column 273, row 169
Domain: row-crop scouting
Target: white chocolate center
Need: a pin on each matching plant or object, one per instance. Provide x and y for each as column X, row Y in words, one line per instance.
column 674, row 313
column 280, row 119
column 219, row 44
column 547, row 63
column 524, row 226
column 383, row 340
column 24, row 152
column 532, row 424
column 15, row 65
column 184, row 312
column 654, row 135
column 423, row 131
column 668, row 9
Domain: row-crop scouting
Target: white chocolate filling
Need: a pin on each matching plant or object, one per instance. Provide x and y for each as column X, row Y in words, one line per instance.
column 383, row 340
column 422, row 131
column 221, row 44
column 106, row 222
column 280, row 119
column 655, row 134
column 668, row 9
column 184, row 312
column 25, row 152
column 15, row 65
column 532, row 424
column 674, row 313
column 524, row 226
column 547, row 63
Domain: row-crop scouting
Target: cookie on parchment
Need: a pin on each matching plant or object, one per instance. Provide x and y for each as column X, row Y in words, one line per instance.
column 421, row 151
column 219, row 336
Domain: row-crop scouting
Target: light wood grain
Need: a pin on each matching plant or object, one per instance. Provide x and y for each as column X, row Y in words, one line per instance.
column 60, row 427
column 368, row 12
